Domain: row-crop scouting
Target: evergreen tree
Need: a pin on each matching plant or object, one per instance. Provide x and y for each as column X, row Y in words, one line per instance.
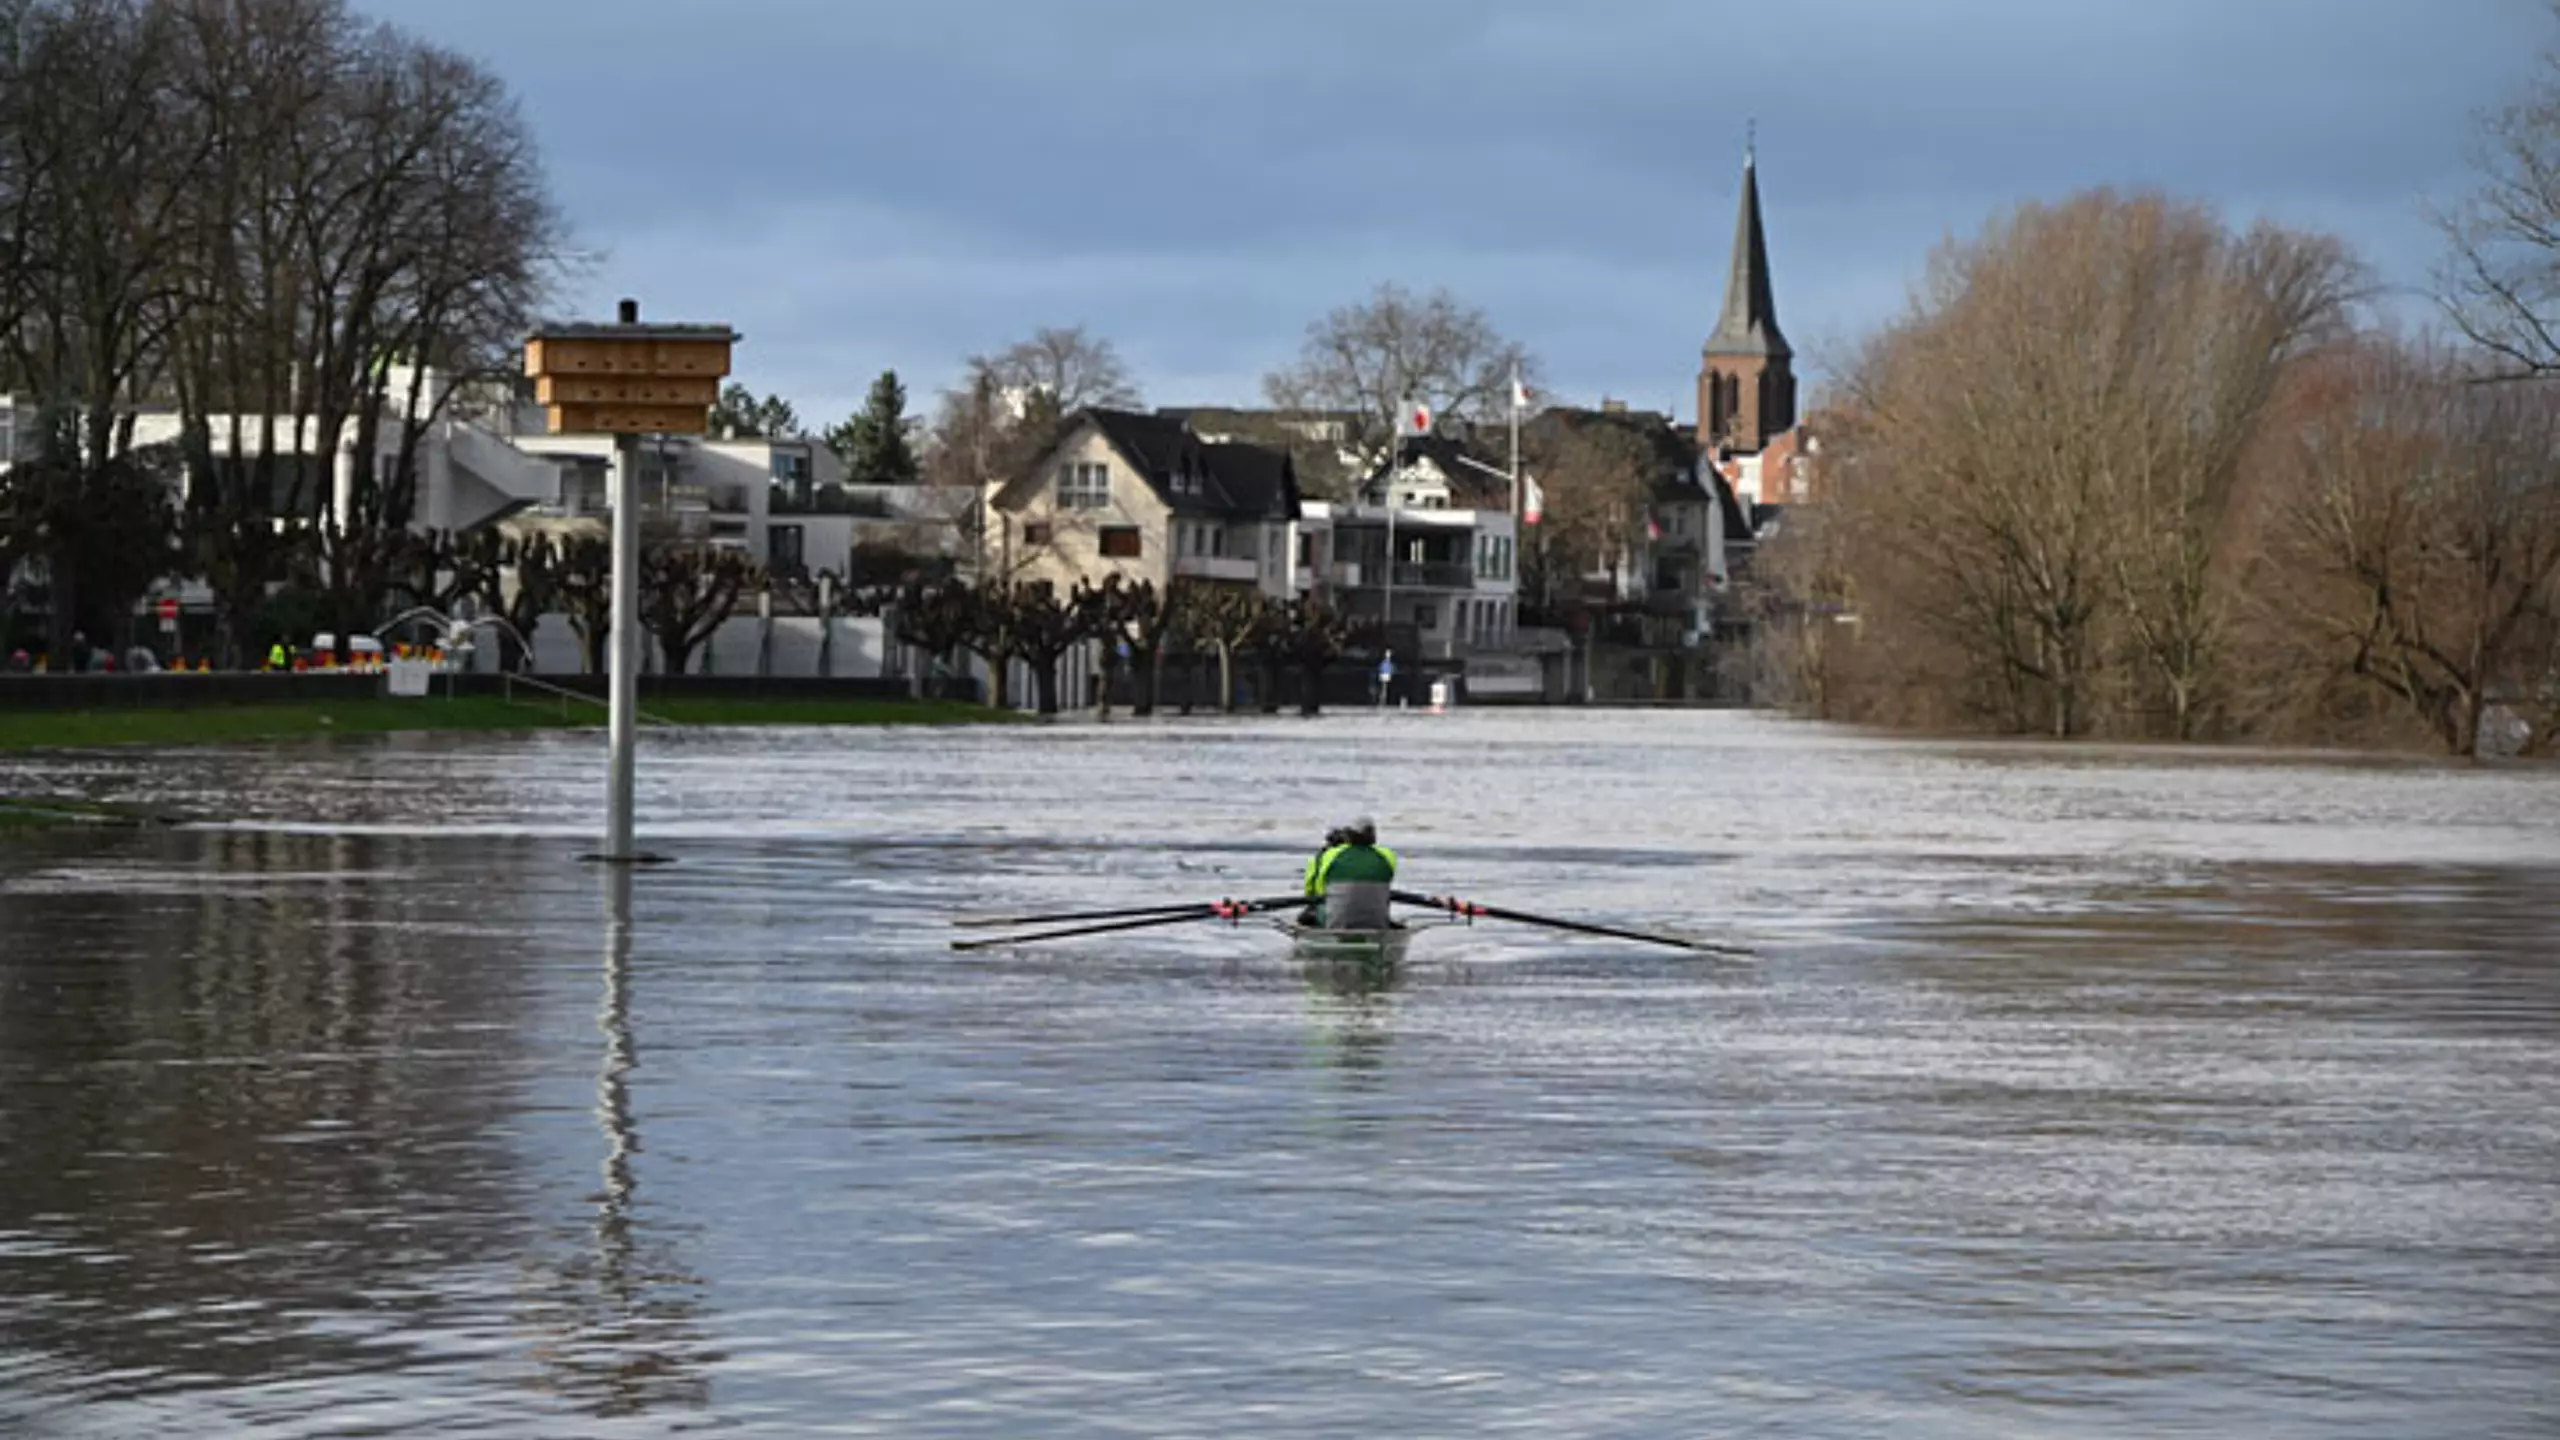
column 741, row 415
column 874, row 444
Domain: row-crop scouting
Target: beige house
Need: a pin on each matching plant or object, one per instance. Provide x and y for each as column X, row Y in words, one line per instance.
column 1145, row 498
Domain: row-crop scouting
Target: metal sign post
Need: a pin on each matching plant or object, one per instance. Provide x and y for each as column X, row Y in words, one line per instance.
column 622, row 664
column 627, row 380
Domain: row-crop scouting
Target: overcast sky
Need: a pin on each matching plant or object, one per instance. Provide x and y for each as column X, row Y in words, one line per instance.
column 864, row 184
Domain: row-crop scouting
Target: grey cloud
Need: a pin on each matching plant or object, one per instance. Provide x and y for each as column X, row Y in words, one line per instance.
column 870, row 184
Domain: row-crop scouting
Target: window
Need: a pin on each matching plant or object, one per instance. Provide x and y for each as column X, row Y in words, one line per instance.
column 1120, row 542
column 1425, row 617
column 1084, row 486
column 8, row 434
column 782, row 549
column 790, row 466
column 1035, row 532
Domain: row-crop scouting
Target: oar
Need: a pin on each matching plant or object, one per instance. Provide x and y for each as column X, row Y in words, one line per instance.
column 1184, row 908
column 1455, row 906
column 1220, row 910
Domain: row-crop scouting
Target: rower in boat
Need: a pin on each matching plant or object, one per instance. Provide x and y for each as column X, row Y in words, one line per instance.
column 1349, row 882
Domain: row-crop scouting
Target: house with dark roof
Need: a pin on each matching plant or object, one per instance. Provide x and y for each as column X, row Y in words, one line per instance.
column 1429, row 546
column 1694, row 535
column 1146, row 498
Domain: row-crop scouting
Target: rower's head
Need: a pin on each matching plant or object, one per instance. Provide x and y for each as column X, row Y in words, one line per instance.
column 1363, row 831
column 1338, row 835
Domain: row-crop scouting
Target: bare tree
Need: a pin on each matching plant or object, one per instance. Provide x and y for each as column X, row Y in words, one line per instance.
column 1113, row 612
column 2047, row 447
column 445, row 259
column 1374, row 359
column 2216, row 323
column 580, row 574
column 686, row 591
column 516, row 580
column 1596, row 475
column 2410, row 534
column 2500, row 281
column 1071, row 367
column 977, row 444
column 1803, row 608
column 1227, row 620
column 1315, row 637
column 113, row 525
column 98, row 151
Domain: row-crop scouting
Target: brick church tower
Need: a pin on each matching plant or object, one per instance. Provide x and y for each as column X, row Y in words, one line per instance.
column 1747, row 380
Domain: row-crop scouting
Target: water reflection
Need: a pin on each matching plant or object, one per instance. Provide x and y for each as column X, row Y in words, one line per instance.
column 213, row 1049
column 620, row 1322
column 2073, row 1092
column 1352, row 1022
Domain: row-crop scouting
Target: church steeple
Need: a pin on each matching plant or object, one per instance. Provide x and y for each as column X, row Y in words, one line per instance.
column 1746, row 385
column 1749, row 325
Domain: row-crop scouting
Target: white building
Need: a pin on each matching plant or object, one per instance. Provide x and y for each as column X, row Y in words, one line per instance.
column 488, row 455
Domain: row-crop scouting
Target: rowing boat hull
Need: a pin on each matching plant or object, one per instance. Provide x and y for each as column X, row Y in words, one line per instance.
column 1350, row 947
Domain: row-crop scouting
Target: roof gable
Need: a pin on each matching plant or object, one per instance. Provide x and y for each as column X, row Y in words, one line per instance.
column 1191, row 476
column 1473, row 483
column 1253, row 480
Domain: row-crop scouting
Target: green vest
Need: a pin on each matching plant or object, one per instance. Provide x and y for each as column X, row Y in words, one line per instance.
column 1355, row 863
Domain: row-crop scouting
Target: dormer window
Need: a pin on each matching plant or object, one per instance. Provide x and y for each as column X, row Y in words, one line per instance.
column 1084, row 486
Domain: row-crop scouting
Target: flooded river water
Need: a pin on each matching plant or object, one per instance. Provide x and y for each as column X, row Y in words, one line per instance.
column 2071, row 1091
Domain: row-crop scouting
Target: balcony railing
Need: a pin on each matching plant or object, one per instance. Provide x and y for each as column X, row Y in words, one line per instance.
column 1434, row 575
column 1218, row 567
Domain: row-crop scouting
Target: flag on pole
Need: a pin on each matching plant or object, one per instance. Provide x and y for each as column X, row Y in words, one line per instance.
column 1519, row 392
column 1536, row 503
column 1417, row 419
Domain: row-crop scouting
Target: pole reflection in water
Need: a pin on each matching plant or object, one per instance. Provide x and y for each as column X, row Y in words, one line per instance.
column 613, row 1094
column 627, row 1342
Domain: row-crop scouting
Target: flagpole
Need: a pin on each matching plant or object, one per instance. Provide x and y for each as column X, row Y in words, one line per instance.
column 1516, row 512
column 1515, row 450
column 1387, row 616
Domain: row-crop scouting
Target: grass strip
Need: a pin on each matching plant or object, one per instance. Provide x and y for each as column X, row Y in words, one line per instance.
column 230, row 724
